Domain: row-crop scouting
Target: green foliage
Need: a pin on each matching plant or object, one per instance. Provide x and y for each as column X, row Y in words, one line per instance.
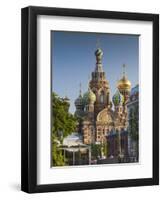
column 105, row 149
column 57, row 157
column 99, row 149
column 95, row 150
column 63, row 124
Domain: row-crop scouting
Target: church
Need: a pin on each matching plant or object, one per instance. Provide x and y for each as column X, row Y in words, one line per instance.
column 100, row 117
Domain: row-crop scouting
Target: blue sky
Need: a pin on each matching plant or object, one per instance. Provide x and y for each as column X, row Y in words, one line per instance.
column 73, row 60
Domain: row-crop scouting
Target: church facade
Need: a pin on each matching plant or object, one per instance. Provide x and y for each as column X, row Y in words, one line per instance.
column 100, row 116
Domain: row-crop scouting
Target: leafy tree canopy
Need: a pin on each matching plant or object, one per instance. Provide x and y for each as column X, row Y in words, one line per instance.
column 63, row 122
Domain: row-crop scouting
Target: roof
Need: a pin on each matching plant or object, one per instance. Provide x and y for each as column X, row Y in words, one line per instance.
column 134, row 90
column 73, row 140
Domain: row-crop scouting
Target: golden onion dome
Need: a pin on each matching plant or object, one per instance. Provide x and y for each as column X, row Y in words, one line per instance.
column 124, row 84
column 89, row 97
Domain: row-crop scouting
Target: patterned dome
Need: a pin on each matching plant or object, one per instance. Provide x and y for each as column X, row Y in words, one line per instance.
column 89, row 97
column 118, row 98
column 98, row 52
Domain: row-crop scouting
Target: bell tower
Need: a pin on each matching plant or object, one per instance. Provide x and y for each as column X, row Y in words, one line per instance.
column 99, row 85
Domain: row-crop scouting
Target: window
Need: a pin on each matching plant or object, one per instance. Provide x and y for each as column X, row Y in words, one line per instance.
column 102, row 97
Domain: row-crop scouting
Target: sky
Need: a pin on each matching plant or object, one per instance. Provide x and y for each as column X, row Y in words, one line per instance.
column 73, row 60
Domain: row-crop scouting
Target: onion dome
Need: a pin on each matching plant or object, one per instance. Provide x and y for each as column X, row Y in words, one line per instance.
column 124, row 85
column 134, row 90
column 134, row 94
column 89, row 97
column 79, row 101
column 118, row 98
column 99, row 52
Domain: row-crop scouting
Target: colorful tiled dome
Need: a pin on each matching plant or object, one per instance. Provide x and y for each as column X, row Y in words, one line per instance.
column 118, row 98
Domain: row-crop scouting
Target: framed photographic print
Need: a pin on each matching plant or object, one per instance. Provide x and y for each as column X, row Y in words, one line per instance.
column 90, row 99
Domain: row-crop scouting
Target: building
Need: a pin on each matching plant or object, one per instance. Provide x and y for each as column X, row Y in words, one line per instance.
column 133, row 119
column 98, row 115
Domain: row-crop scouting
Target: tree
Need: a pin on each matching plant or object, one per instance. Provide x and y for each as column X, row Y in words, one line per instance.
column 57, row 157
column 63, row 124
column 96, row 150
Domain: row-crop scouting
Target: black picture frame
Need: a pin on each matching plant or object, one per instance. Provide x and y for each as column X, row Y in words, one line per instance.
column 29, row 99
